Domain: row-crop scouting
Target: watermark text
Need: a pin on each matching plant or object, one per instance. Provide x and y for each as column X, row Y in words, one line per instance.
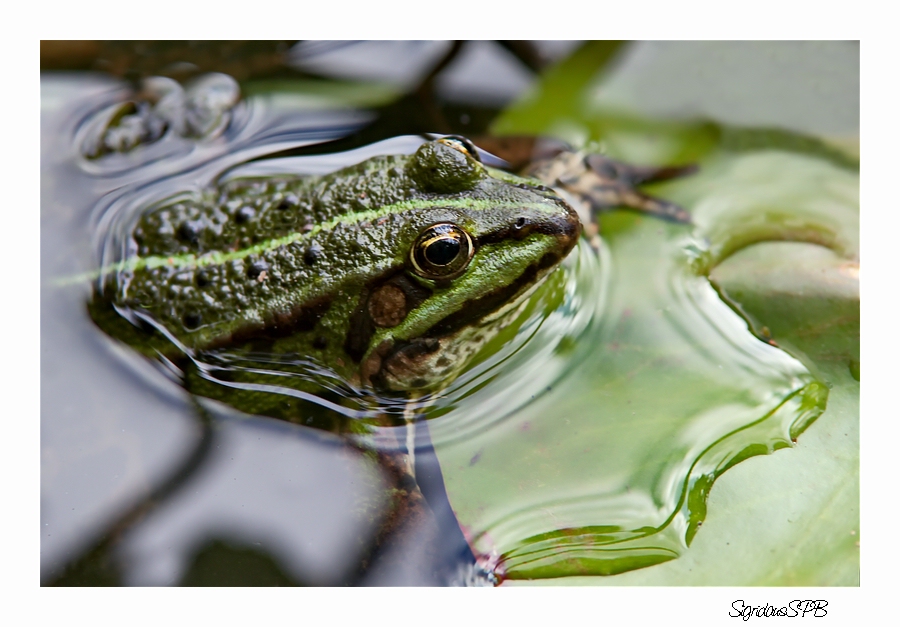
column 796, row 608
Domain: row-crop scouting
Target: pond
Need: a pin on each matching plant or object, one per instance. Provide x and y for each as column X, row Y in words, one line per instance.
column 583, row 440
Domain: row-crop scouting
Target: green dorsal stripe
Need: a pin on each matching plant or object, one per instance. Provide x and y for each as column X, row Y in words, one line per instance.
column 215, row 258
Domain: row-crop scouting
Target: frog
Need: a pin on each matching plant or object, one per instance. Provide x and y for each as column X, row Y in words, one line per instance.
column 391, row 274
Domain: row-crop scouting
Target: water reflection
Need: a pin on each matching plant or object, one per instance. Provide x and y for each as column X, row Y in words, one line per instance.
column 255, row 489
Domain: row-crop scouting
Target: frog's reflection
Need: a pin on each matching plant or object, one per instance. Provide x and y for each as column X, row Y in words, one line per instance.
column 246, row 505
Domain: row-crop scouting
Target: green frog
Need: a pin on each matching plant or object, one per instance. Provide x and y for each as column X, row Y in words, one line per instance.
column 391, row 274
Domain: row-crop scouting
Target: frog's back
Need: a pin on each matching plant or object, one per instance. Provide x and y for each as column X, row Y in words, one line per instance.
column 240, row 213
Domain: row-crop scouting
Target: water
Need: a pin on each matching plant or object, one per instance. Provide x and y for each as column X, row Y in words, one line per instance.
column 583, row 440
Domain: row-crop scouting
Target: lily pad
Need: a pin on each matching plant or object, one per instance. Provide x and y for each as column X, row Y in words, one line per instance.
column 791, row 518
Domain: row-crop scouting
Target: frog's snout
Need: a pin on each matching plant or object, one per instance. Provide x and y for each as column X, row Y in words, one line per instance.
column 564, row 226
column 569, row 227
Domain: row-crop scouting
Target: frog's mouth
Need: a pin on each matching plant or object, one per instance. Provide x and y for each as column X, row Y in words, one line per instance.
column 432, row 361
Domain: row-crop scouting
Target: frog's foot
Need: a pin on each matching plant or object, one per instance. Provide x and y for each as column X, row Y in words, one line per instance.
column 633, row 174
column 594, row 183
column 604, row 184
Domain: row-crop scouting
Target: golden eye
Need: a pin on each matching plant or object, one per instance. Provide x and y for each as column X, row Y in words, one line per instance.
column 461, row 144
column 442, row 251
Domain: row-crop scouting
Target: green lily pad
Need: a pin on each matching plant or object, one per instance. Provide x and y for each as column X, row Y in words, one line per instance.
column 791, row 518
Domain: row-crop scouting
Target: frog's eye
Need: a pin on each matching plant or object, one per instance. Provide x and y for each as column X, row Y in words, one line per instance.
column 461, row 144
column 442, row 251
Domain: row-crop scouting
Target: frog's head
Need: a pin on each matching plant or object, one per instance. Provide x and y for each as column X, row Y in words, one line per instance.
column 473, row 243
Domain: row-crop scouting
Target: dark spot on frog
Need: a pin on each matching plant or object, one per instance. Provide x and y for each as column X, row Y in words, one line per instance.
column 191, row 320
column 312, row 254
column 257, row 268
column 201, row 278
column 189, row 231
column 244, row 214
column 288, row 202
column 475, row 458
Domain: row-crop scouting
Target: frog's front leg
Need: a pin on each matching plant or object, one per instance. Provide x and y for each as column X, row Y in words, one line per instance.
column 603, row 183
column 592, row 183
